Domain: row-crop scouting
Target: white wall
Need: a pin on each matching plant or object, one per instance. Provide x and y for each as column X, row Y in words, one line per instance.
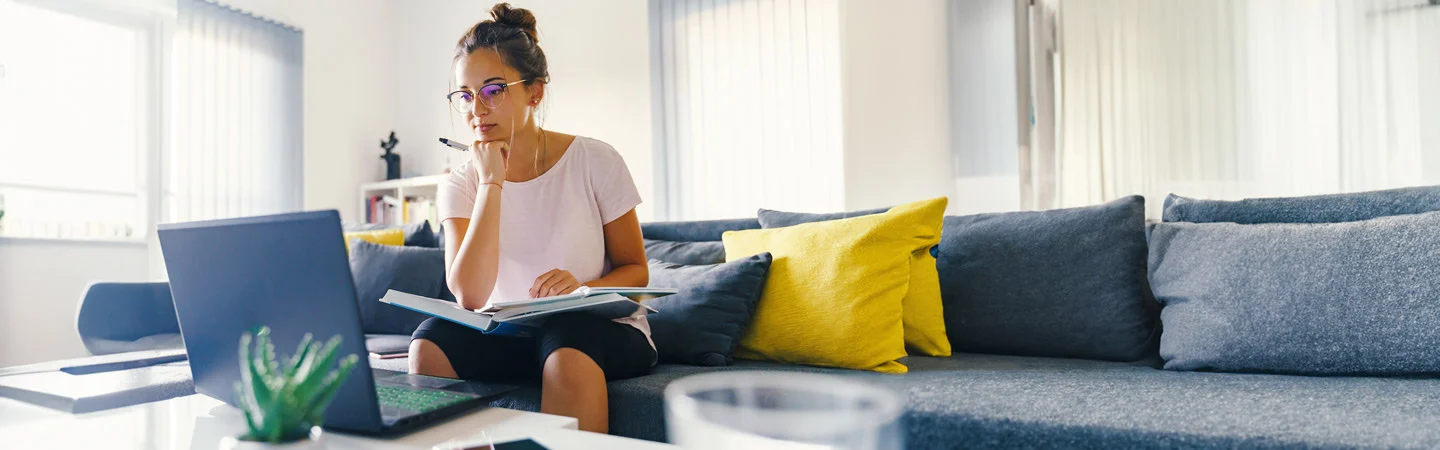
column 599, row 59
column 895, row 100
column 40, row 286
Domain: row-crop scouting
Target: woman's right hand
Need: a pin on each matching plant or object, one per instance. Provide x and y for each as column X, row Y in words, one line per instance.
column 491, row 160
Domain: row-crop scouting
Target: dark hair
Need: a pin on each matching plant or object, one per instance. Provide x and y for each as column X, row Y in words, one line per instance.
column 510, row 32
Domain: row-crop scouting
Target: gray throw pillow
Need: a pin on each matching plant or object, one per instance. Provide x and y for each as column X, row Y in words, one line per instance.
column 378, row 268
column 694, row 230
column 686, row 253
column 1063, row 283
column 1312, row 209
column 703, row 323
column 781, row 219
column 1347, row 298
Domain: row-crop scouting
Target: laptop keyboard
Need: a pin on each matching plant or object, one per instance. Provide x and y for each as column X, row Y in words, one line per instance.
column 417, row 400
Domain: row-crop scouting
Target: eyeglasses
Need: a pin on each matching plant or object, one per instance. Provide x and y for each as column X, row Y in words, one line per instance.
column 490, row 96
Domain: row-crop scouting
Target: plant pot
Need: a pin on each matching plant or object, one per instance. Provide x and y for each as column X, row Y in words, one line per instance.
column 316, row 441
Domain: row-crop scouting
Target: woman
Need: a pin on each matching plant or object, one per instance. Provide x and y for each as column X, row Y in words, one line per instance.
column 534, row 213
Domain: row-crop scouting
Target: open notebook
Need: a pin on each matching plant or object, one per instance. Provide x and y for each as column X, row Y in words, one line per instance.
column 520, row 317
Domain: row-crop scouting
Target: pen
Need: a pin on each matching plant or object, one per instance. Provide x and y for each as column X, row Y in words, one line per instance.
column 455, row 145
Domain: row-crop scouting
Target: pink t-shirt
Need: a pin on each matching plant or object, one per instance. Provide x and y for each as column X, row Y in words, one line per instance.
column 555, row 220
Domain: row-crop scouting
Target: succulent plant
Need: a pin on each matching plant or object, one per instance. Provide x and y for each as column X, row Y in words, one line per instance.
column 282, row 403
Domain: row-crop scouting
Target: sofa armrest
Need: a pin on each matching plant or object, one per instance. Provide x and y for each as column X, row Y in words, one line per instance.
column 124, row 312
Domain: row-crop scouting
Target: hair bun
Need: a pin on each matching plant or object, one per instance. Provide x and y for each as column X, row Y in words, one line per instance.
column 519, row 18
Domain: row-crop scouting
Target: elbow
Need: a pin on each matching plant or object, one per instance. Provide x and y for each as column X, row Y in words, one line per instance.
column 470, row 295
column 470, row 300
column 643, row 275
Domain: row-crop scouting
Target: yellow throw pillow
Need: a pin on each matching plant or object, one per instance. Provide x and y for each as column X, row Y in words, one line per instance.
column 924, row 312
column 393, row 236
column 833, row 294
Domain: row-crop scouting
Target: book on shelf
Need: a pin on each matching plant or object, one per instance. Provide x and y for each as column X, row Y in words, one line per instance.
column 390, row 210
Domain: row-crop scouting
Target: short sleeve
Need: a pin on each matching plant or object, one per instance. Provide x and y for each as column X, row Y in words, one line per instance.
column 615, row 190
column 455, row 197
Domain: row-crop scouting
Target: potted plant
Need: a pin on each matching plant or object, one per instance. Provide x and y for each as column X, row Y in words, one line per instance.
column 284, row 405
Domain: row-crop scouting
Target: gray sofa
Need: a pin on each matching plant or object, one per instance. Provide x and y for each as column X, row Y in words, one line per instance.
column 993, row 401
column 997, row 401
column 974, row 400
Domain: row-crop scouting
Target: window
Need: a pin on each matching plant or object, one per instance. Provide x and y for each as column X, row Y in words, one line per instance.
column 749, row 107
column 76, row 122
column 110, row 123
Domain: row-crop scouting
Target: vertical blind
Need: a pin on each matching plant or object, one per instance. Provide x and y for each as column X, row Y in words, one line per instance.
column 1236, row 98
column 235, row 146
column 748, row 99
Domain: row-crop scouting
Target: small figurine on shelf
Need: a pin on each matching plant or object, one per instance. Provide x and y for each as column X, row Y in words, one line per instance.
column 392, row 159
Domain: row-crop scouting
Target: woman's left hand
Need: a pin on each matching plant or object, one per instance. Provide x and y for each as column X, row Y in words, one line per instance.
column 554, row 282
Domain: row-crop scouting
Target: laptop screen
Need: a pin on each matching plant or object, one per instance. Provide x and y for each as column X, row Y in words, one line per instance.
column 288, row 272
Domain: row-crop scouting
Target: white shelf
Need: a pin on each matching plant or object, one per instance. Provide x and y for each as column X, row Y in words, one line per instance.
column 412, row 182
column 424, row 186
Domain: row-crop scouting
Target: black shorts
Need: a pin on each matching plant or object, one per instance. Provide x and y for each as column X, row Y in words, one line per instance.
column 620, row 350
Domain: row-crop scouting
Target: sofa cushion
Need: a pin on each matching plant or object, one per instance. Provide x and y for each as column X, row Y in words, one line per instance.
column 703, row 323
column 1062, row 283
column 1311, row 209
column 378, row 268
column 685, row 253
column 1323, row 299
column 995, row 401
column 923, row 314
column 695, row 231
column 385, row 343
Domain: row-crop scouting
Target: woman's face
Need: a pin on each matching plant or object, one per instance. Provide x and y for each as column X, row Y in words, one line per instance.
column 484, row 75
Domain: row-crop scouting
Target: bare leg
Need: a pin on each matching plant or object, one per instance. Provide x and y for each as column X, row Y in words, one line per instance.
column 426, row 358
column 573, row 385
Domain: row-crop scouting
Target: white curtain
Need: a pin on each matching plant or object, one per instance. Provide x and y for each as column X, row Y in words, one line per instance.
column 235, row 147
column 748, row 106
column 1237, row 98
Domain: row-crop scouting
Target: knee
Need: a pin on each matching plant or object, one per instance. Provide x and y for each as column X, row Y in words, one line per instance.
column 570, row 366
column 426, row 358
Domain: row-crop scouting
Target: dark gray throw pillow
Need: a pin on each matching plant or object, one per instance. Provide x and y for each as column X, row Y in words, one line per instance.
column 1063, row 283
column 378, row 268
column 703, row 323
column 1312, row 209
column 1353, row 298
column 686, row 253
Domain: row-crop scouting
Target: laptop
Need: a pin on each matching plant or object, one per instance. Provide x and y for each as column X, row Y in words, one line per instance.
column 290, row 272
